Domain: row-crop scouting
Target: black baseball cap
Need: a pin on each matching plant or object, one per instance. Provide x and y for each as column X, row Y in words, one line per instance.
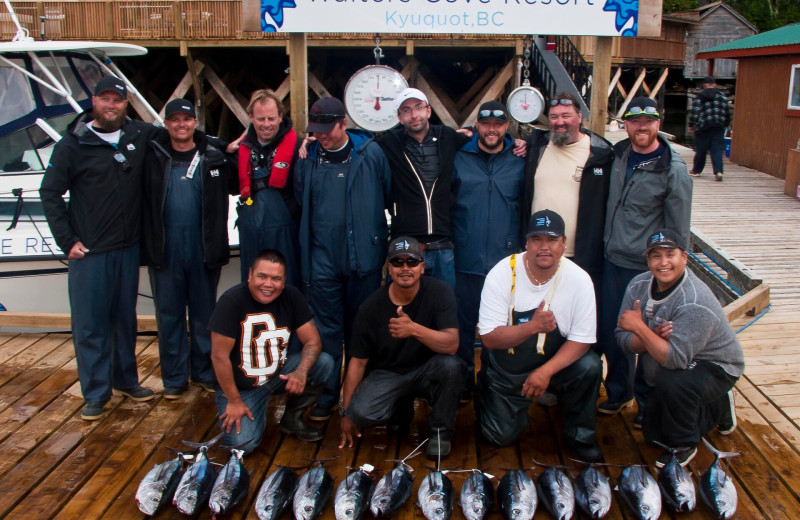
column 665, row 239
column 406, row 246
column 324, row 114
column 642, row 106
column 179, row 105
column 492, row 109
column 113, row 84
column 546, row 222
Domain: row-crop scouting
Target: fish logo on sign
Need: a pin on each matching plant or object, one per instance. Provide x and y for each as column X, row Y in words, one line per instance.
column 626, row 11
column 272, row 14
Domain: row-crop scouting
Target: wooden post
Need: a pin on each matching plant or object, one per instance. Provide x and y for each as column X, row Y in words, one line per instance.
column 601, row 75
column 298, row 81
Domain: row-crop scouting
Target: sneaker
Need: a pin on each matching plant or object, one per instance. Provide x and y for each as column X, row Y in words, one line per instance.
column 319, row 414
column 137, row 393
column 638, row 420
column 437, row 448
column 613, row 407
column 683, row 457
column 174, row 392
column 727, row 424
column 92, row 411
column 587, row 452
column 693, row 174
column 718, row 176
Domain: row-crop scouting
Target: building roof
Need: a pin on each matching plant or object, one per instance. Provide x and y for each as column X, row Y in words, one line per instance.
column 705, row 10
column 785, row 40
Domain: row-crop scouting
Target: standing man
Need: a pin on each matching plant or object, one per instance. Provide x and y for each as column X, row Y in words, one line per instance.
column 690, row 355
column 268, row 213
column 404, row 341
column 650, row 190
column 100, row 161
column 344, row 188
column 251, row 328
column 537, row 322
column 421, row 157
column 568, row 171
column 185, row 242
column 487, row 186
column 708, row 118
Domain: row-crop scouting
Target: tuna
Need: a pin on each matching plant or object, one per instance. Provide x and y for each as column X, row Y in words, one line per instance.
column 640, row 492
column 516, row 494
column 716, row 487
column 435, row 496
column 676, row 484
column 276, row 493
column 592, row 492
column 352, row 495
column 231, row 486
column 313, row 492
column 392, row 491
column 195, row 485
column 158, row 487
column 556, row 493
column 477, row 496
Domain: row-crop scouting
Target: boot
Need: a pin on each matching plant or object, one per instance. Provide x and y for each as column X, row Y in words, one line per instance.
column 292, row 421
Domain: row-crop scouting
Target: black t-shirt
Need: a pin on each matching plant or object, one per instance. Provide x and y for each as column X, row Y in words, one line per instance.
column 434, row 307
column 261, row 332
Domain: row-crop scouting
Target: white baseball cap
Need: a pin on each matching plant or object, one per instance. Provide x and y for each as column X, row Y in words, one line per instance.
column 410, row 93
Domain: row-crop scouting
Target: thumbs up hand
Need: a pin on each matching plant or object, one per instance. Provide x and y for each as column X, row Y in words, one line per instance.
column 631, row 319
column 401, row 326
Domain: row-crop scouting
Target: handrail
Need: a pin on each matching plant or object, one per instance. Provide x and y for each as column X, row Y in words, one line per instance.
column 542, row 77
column 579, row 71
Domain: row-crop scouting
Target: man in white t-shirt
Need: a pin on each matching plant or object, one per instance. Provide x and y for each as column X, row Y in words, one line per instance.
column 537, row 322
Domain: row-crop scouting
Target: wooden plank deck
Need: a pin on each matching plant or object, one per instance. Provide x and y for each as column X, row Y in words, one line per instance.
column 55, row 465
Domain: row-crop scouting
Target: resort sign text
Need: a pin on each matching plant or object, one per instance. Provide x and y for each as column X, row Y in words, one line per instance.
column 573, row 17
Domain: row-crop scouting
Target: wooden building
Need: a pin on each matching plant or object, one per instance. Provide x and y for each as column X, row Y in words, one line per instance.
column 766, row 122
column 708, row 26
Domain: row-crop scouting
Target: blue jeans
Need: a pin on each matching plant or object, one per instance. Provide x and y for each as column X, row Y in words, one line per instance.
column 468, row 299
column 257, row 399
column 709, row 140
column 440, row 264
column 102, row 298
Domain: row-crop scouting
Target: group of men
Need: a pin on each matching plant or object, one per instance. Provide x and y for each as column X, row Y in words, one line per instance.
column 537, row 250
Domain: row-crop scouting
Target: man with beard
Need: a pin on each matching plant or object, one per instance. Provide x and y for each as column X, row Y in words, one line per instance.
column 537, row 322
column 185, row 242
column 650, row 190
column 100, row 161
column 487, row 188
column 404, row 340
column 268, row 212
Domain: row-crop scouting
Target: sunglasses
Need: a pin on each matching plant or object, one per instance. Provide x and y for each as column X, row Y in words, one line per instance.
column 500, row 114
column 324, row 118
column 565, row 102
column 637, row 111
column 126, row 166
column 400, row 262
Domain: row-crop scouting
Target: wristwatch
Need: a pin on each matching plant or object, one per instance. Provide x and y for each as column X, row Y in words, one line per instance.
column 342, row 411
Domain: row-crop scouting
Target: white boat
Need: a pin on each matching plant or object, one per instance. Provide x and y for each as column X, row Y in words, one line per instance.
column 43, row 85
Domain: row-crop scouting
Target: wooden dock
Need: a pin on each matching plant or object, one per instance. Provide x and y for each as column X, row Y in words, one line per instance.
column 55, row 465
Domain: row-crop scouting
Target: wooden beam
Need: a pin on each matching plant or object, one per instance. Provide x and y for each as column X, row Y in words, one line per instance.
column 410, row 68
column 614, row 81
column 650, row 18
column 138, row 106
column 184, row 84
column 493, row 92
column 317, row 86
column 283, row 89
column 476, row 86
column 199, row 98
column 751, row 303
column 298, row 81
column 436, row 103
column 49, row 320
column 440, row 93
column 646, row 89
column 660, row 82
column 601, row 74
column 632, row 93
column 227, row 96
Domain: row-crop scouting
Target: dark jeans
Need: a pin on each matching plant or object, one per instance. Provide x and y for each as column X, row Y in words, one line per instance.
column 709, row 139
column 502, row 412
column 621, row 365
column 440, row 264
column 439, row 380
column 468, row 298
column 102, row 298
column 686, row 404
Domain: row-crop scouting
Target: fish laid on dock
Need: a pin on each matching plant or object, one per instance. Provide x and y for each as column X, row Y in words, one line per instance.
column 394, row 489
column 592, row 492
column 195, row 485
column 352, row 495
column 516, row 494
column 158, row 487
column 276, row 493
column 313, row 492
column 556, row 493
column 716, row 487
column 435, row 496
column 676, row 484
column 231, row 486
column 639, row 491
column 477, row 496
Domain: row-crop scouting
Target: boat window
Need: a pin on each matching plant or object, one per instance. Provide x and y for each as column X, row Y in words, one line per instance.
column 16, row 99
column 31, row 206
column 76, row 89
column 29, row 148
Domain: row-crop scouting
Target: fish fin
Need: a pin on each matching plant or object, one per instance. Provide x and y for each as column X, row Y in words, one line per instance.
column 204, row 445
column 554, row 466
column 720, row 454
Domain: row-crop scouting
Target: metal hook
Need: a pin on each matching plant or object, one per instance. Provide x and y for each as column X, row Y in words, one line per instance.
column 378, row 52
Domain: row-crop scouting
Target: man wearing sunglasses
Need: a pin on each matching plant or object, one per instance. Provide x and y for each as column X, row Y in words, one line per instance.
column 404, row 340
column 343, row 187
column 650, row 190
column 487, row 187
column 100, row 161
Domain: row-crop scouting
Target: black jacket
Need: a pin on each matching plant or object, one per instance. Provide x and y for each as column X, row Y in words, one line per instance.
column 412, row 212
column 219, row 180
column 104, row 210
column 592, row 196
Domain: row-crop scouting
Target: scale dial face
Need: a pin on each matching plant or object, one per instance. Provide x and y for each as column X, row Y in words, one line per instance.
column 525, row 104
column 370, row 97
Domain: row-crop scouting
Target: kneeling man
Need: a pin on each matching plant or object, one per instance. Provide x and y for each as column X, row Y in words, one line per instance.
column 403, row 346
column 536, row 322
column 688, row 351
column 250, row 331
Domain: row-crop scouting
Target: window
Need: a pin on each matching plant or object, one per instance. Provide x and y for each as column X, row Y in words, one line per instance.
column 794, row 89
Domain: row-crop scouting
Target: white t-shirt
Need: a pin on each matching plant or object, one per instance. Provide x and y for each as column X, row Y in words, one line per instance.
column 572, row 304
column 109, row 137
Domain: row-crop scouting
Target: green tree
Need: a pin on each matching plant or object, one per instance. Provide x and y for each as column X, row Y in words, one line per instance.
column 767, row 14
column 670, row 6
